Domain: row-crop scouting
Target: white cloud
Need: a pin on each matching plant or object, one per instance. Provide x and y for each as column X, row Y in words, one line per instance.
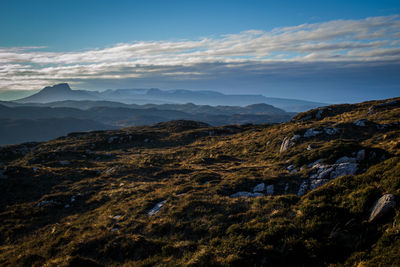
column 372, row 39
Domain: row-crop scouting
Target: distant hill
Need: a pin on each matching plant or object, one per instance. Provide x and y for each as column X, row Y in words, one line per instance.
column 62, row 92
column 108, row 115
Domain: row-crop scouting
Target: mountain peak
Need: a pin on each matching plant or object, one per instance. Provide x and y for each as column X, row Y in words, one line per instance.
column 61, row 87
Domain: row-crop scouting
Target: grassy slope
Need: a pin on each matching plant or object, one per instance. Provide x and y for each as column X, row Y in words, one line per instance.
column 195, row 168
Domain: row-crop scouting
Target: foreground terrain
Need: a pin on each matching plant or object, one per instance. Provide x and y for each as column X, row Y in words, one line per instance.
column 318, row 190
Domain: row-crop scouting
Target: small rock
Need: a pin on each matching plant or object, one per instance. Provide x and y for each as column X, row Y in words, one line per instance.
column 361, row 155
column 286, row 188
column 117, row 217
column 311, row 132
column 259, row 188
column 114, row 229
column 66, row 206
column 270, row 189
column 346, row 160
column 156, row 208
column 64, row 162
column 246, row 194
column 382, row 207
column 361, row 123
column 331, row 131
column 302, row 189
column 290, row 168
column 309, row 148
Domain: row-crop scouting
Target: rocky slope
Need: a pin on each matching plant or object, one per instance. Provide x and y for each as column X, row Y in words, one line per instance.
column 318, row 190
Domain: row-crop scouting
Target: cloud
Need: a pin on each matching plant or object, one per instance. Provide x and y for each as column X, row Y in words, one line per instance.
column 300, row 49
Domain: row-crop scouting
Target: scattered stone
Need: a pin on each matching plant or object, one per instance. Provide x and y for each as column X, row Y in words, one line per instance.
column 156, row 208
column 302, row 189
column 246, row 194
column 270, row 189
column 64, row 162
column 331, row 131
column 66, row 206
column 290, row 168
column 314, row 164
column 309, row 148
column 146, row 140
column 259, row 188
column 382, row 207
column 46, row 202
column 311, row 132
column 72, row 199
column 35, row 169
column 114, row 229
column 361, row 155
column 117, row 217
column 361, row 123
column 286, row 188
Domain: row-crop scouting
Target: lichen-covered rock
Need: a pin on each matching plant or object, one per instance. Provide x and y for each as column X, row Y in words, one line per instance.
column 382, row 207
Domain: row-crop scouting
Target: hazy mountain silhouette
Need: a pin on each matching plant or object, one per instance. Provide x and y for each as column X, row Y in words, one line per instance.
column 62, row 92
column 59, row 92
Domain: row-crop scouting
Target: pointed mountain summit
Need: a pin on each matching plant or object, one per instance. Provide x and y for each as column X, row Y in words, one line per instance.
column 59, row 92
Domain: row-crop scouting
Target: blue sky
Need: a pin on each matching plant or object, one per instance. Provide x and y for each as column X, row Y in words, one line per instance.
column 331, row 51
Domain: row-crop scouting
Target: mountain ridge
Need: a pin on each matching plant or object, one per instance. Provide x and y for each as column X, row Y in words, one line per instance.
column 63, row 92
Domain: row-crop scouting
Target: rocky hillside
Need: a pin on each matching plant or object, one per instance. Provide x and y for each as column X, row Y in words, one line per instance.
column 316, row 191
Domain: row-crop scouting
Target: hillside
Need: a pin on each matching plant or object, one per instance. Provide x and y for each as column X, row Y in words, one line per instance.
column 320, row 190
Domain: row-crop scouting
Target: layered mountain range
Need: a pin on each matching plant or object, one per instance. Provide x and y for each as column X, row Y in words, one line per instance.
column 62, row 92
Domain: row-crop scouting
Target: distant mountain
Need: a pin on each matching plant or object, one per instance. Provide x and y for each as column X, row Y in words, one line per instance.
column 59, row 92
column 62, row 92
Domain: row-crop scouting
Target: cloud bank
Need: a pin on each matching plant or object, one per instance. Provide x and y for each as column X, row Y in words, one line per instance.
column 286, row 54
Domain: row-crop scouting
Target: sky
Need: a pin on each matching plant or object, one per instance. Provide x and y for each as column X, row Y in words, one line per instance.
column 326, row 51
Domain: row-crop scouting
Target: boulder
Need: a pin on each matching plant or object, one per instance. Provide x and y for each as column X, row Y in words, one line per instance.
column 344, row 169
column 382, row 207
